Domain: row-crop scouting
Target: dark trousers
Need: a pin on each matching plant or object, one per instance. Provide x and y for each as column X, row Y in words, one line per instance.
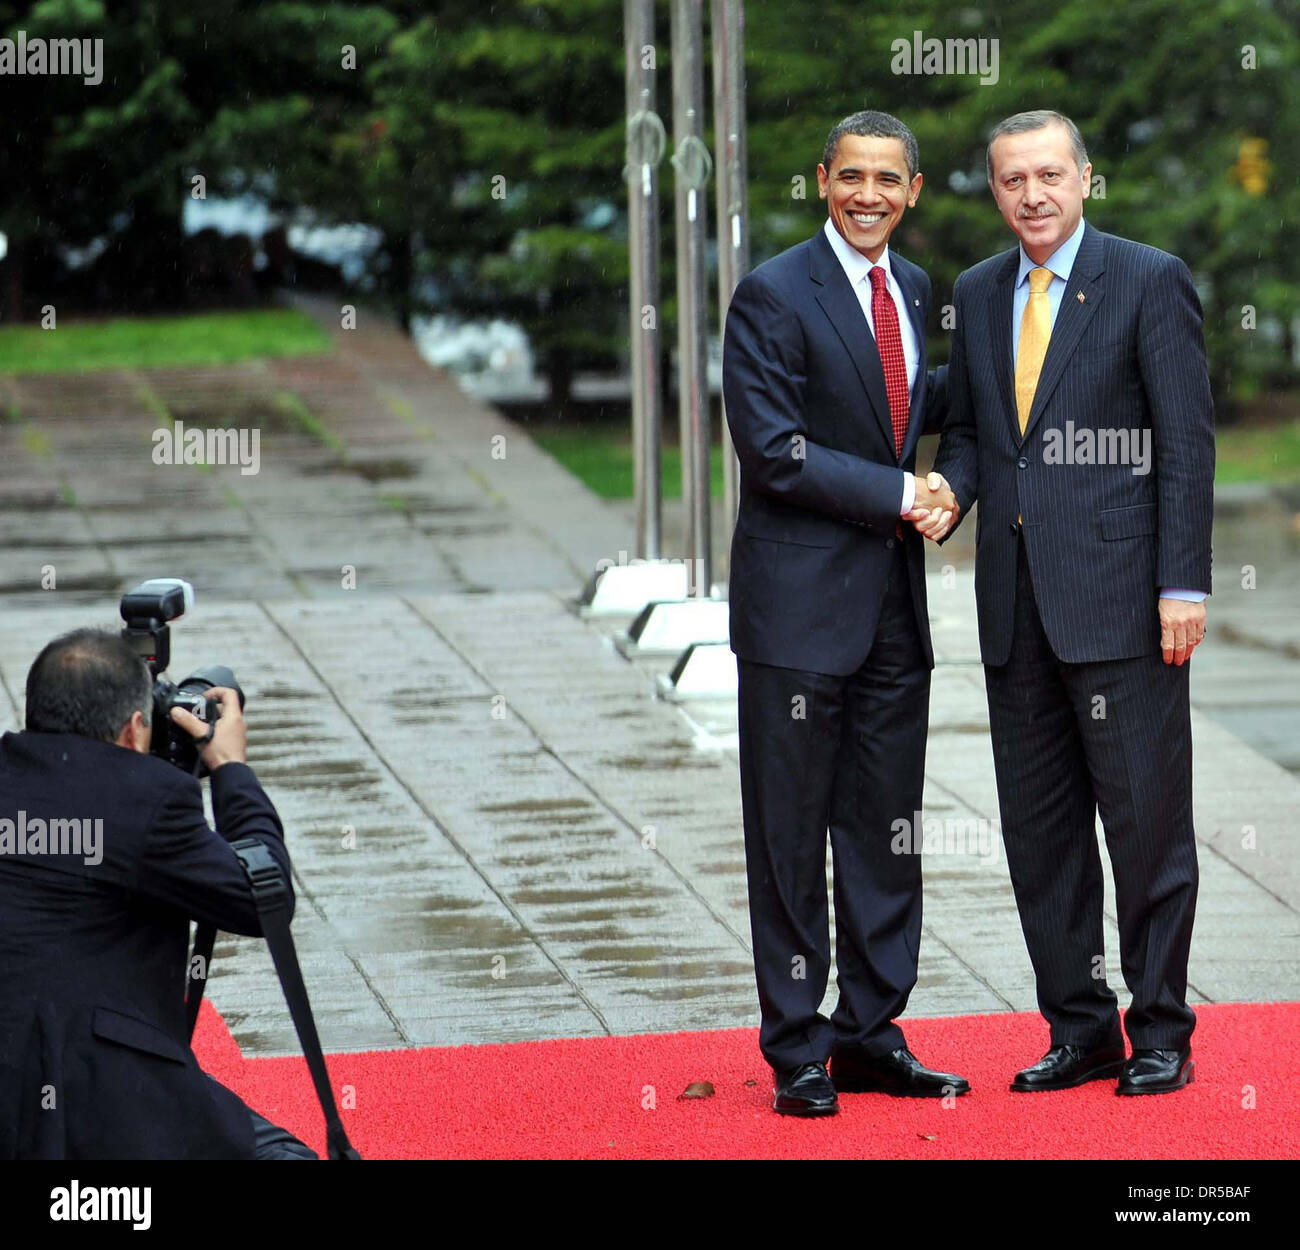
column 844, row 754
column 1070, row 740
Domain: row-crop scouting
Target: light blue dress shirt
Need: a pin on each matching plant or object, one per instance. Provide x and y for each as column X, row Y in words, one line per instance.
column 1061, row 263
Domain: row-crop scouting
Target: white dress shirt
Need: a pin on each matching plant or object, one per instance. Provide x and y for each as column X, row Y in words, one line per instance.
column 857, row 268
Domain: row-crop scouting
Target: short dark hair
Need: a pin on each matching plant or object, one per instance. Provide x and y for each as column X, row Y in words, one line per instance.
column 87, row 682
column 876, row 126
column 1036, row 119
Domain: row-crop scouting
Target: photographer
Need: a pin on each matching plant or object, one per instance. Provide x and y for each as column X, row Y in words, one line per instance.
column 105, row 857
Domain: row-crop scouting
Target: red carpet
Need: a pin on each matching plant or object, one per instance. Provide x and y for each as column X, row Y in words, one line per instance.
column 617, row 1098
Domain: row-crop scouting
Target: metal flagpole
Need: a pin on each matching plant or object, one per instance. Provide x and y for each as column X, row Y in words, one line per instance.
column 692, row 165
column 695, row 629
column 646, row 141
column 728, row 23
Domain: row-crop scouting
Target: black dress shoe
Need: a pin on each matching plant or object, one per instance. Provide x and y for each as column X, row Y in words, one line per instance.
column 1064, row 1067
column 1157, row 1072
column 899, row 1073
column 805, row 1090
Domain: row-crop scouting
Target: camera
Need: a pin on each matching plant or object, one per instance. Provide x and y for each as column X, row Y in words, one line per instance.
column 147, row 610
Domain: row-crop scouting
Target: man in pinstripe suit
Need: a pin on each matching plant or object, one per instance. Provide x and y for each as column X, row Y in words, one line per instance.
column 1080, row 415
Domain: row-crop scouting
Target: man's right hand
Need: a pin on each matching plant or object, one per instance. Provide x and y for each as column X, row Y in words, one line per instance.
column 229, row 739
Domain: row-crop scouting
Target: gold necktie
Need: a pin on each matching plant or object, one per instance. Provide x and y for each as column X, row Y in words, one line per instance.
column 1035, row 330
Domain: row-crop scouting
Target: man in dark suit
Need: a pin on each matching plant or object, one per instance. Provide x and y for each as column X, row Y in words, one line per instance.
column 826, row 396
column 105, row 856
column 1080, row 415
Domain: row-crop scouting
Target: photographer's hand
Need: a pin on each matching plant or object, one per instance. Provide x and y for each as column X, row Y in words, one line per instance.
column 229, row 739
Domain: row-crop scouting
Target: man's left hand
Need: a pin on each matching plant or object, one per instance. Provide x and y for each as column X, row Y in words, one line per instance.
column 1182, row 627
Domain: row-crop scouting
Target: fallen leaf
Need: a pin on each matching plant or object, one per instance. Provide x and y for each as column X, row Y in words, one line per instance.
column 697, row 1089
column 929, row 1136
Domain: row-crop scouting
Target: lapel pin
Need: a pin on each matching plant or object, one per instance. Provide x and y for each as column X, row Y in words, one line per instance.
column 916, row 303
column 1080, row 297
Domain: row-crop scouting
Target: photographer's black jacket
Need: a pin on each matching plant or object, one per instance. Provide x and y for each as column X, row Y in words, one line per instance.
column 94, row 1056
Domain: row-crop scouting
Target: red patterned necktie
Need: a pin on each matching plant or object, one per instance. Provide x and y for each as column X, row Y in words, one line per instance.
column 884, row 317
column 889, row 340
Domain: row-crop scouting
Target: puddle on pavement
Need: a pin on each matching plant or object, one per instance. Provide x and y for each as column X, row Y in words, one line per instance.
column 419, row 718
column 546, row 859
column 269, row 726
column 233, row 409
column 45, row 501
column 651, row 960
column 483, row 530
column 555, row 896
column 548, row 820
column 680, row 760
column 415, row 707
column 623, row 912
column 18, row 542
column 463, row 932
column 727, row 868
column 279, row 690
column 327, row 775
column 695, row 978
column 373, row 470
column 431, row 507
column 405, row 700
column 538, row 805
column 558, row 931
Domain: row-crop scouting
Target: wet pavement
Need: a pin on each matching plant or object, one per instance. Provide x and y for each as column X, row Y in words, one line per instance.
column 498, row 831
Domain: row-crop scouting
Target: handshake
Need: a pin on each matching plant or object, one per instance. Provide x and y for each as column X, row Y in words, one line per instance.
column 934, row 510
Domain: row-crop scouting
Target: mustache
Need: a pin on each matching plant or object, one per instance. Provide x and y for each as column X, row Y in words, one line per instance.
column 1033, row 215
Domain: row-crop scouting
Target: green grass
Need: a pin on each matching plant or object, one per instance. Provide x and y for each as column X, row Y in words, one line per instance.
column 159, row 342
column 1269, row 453
column 601, row 456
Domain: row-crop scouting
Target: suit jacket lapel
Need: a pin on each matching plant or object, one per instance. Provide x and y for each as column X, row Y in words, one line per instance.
column 916, row 401
column 1078, row 304
column 1005, row 362
column 841, row 305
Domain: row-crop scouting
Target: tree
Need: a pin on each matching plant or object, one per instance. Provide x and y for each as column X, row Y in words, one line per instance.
column 512, row 130
column 224, row 89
